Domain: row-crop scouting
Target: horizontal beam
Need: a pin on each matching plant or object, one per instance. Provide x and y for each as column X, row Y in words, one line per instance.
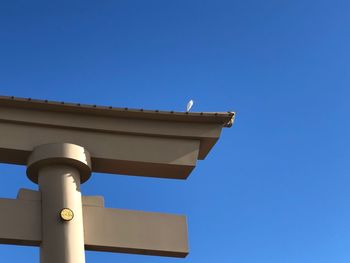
column 135, row 232
column 20, row 222
column 207, row 133
column 110, row 153
column 105, row 229
column 121, row 141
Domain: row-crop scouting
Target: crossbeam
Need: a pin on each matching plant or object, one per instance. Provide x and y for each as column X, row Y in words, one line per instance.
column 120, row 141
column 105, row 229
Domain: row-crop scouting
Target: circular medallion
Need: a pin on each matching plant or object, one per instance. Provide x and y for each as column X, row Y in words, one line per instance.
column 66, row 214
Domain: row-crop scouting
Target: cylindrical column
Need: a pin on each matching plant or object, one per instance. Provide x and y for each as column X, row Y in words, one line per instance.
column 59, row 169
column 63, row 241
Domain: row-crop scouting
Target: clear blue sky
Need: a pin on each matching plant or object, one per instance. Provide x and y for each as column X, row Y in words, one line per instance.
column 276, row 187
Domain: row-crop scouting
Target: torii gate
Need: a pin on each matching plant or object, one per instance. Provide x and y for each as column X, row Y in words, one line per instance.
column 62, row 143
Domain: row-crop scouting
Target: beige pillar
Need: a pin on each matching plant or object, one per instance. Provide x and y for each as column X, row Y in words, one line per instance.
column 59, row 169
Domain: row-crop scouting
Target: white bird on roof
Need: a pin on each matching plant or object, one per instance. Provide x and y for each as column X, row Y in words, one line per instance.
column 189, row 105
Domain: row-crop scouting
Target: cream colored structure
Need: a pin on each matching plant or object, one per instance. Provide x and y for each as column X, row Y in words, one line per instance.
column 59, row 168
column 61, row 144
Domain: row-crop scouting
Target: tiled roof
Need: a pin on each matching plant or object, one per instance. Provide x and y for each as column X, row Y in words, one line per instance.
column 224, row 118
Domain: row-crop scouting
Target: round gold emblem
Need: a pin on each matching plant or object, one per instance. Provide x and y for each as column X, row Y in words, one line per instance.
column 66, row 214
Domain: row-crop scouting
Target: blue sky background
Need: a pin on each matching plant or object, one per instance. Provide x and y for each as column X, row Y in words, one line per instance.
column 276, row 187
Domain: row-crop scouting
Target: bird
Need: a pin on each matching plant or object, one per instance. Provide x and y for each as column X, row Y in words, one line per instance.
column 189, row 105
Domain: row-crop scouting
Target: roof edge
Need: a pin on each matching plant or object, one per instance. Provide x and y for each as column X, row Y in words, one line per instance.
column 226, row 119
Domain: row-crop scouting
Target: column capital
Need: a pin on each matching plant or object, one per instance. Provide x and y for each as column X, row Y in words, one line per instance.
column 59, row 153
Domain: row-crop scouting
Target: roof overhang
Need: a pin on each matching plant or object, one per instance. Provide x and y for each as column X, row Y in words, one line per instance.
column 140, row 142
